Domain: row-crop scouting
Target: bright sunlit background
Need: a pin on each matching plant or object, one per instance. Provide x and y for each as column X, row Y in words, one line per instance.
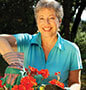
column 83, row 16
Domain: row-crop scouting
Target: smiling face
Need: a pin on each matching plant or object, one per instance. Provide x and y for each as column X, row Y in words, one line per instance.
column 47, row 22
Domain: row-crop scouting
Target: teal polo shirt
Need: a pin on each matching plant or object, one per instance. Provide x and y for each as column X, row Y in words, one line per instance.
column 64, row 56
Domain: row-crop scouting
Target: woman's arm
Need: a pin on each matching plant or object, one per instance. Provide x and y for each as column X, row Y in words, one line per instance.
column 74, row 78
column 14, row 59
column 10, row 38
column 7, row 43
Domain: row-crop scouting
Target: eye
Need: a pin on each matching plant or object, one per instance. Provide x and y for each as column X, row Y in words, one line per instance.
column 52, row 18
column 41, row 18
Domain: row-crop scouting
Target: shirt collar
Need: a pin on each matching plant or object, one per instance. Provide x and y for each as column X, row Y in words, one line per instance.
column 59, row 42
column 37, row 41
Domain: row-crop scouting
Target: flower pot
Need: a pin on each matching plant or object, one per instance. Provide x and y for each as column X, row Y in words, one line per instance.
column 52, row 87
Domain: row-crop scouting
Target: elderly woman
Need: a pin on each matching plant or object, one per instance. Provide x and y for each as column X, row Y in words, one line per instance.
column 46, row 49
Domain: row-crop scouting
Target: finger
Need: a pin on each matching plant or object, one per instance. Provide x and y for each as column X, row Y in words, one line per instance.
column 15, row 67
column 18, row 79
column 9, row 79
column 4, row 80
column 14, row 78
column 4, row 76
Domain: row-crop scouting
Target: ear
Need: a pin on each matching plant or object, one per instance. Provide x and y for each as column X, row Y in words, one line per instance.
column 60, row 21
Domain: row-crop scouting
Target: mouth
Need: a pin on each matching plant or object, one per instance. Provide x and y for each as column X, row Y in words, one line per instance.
column 47, row 29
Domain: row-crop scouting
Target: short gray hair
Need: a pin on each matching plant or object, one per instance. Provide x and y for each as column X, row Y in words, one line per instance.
column 49, row 4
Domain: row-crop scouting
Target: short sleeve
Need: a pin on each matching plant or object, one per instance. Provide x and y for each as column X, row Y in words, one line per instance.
column 22, row 40
column 76, row 62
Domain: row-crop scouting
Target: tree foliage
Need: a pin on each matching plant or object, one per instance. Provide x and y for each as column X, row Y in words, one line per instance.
column 70, row 7
column 80, row 39
column 17, row 16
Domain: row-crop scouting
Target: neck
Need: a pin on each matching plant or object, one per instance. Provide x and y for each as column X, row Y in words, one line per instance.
column 49, row 40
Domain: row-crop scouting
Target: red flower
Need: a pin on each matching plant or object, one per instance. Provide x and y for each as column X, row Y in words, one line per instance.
column 30, row 89
column 16, row 87
column 26, row 69
column 56, row 73
column 1, row 84
column 22, row 87
column 19, row 87
column 0, row 77
column 33, row 70
column 60, row 84
column 56, row 82
column 53, row 81
column 28, row 81
column 44, row 73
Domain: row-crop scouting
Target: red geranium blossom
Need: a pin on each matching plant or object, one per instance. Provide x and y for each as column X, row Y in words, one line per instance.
column 60, row 84
column 53, row 81
column 29, row 81
column 33, row 70
column 15, row 87
column 0, row 77
column 19, row 87
column 1, row 84
column 56, row 82
column 56, row 73
column 26, row 83
column 44, row 73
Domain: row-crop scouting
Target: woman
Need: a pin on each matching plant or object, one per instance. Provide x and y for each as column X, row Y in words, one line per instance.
column 47, row 49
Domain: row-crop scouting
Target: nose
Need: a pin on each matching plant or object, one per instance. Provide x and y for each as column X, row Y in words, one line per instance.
column 47, row 21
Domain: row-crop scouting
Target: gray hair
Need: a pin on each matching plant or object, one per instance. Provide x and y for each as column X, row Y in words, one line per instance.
column 49, row 4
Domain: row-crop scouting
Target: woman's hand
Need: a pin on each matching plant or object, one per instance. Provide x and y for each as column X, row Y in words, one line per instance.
column 14, row 71
column 12, row 77
column 75, row 86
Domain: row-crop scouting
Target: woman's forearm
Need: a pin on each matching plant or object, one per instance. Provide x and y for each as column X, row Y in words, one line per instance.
column 74, row 81
column 5, row 47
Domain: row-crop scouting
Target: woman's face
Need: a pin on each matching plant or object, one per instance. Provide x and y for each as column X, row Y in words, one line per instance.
column 47, row 22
